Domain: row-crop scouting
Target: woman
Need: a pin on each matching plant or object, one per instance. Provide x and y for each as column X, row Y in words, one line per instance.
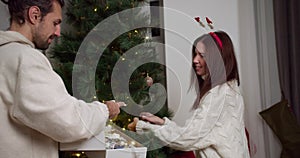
column 216, row 127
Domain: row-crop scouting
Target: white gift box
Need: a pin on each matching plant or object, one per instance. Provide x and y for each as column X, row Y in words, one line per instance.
column 96, row 147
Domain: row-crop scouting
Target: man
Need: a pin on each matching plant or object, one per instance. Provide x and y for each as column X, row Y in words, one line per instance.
column 36, row 112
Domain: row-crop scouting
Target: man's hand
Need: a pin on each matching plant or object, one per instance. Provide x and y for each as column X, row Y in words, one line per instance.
column 113, row 108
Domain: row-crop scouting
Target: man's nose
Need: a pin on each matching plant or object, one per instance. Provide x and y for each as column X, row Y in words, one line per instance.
column 57, row 31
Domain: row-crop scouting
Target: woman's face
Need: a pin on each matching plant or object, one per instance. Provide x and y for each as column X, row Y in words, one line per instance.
column 198, row 60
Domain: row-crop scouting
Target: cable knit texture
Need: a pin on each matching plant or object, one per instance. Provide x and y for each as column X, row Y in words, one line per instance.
column 216, row 129
column 36, row 111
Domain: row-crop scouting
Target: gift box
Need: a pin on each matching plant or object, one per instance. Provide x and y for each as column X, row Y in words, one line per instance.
column 111, row 143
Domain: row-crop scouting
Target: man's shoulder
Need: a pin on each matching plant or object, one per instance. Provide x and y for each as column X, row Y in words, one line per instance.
column 19, row 53
column 7, row 37
column 17, row 49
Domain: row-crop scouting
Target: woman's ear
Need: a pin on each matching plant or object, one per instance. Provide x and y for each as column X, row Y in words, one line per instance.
column 34, row 14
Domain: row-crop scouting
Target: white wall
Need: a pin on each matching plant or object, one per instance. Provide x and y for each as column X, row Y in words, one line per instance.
column 238, row 19
column 181, row 31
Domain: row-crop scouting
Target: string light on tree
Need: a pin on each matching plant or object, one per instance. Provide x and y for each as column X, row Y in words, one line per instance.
column 106, row 8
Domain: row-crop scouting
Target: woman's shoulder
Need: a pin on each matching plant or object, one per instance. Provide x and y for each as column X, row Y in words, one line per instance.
column 229, row 87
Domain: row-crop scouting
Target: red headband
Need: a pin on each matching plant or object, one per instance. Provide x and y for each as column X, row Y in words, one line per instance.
column 214, row 35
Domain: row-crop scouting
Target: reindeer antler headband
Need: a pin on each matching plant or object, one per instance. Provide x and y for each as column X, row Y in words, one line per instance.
column 212, row 34
column 208, row 21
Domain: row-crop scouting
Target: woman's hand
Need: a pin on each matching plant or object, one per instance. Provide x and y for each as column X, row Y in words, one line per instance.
column 146, row 116
column 132, row 125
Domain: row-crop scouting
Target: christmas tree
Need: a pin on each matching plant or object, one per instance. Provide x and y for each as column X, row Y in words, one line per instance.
column 126, row 67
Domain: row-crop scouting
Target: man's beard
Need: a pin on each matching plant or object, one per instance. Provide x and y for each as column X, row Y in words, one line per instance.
column 41, row 44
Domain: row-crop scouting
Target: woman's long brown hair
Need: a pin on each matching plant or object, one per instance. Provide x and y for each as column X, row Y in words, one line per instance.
column 229, row 60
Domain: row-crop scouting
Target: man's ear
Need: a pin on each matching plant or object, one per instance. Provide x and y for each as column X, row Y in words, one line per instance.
column 34, row 14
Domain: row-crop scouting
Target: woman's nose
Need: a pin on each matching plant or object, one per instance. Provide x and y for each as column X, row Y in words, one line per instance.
column 196, row 60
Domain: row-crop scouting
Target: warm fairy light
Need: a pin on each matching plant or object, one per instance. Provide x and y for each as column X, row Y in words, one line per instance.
column 129, row 120
column 123, row 59
column 136, row 31
column 147, row 37
column 132, row 142
column 96, row 9
column 123, row 129
column 77, row 154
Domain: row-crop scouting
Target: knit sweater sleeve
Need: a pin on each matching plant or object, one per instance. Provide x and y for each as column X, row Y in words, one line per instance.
column 197, row 131
column 43, row 103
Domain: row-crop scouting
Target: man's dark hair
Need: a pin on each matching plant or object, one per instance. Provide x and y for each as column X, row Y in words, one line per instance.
column 17, row 8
